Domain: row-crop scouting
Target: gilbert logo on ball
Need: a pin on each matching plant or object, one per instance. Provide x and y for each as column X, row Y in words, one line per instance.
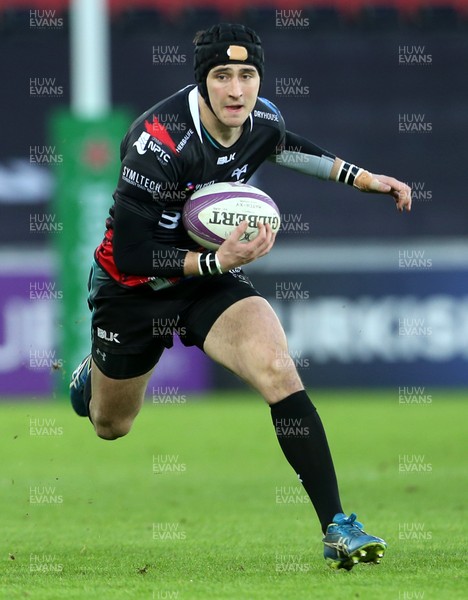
column 212, row 213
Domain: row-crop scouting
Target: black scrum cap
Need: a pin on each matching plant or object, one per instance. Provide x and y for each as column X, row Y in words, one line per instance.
column 222, row 44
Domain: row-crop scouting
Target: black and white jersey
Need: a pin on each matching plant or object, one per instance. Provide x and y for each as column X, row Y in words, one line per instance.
column 166, row 155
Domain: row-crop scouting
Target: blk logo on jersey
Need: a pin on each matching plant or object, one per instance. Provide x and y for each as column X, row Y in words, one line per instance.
column 222, row 160
column 237, row 173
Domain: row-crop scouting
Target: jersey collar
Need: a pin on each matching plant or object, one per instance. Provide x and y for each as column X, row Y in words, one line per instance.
column 195, row 112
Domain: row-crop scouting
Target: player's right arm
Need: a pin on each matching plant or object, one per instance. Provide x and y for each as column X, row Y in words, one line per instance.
column 233, row 253
column 141, row 225
column 137, row 253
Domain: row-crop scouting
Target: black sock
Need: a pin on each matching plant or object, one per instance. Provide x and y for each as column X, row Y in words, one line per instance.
column 87, row 394
column 304, row 443
column 80, row 402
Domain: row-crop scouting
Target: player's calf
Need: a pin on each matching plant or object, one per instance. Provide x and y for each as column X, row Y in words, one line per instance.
column 112, row 412
column 109, row 428
column 115, row 403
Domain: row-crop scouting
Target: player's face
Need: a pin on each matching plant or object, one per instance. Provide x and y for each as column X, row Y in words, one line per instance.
column 233, row 91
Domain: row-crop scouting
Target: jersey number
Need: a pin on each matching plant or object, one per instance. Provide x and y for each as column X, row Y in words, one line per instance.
column 170, row 219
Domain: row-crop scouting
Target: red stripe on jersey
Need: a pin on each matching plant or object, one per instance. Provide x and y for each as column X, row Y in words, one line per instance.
column 104, row 255
column 158, row 131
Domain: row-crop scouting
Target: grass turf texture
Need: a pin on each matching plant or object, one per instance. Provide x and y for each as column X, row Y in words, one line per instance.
column 234, row 534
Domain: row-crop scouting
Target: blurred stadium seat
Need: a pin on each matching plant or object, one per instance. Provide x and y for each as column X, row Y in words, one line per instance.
column 439, row 18
column 324, row 18
column 380, row 13
column 258, row 17
column 194, row 18
column 137, row 19
column 379, row 18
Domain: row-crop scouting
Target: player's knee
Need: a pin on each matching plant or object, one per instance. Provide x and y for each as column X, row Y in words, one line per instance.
column 111, row 429
column 281, row 366
column 280, row 377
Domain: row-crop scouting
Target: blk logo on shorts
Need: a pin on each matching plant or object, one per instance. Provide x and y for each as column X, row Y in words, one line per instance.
column 109, row 336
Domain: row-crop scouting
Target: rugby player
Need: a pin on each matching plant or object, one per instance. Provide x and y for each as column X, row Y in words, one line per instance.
column 147, row 269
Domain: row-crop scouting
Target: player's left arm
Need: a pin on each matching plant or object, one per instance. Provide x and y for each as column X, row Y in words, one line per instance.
column 368, row 182
column 300, row 154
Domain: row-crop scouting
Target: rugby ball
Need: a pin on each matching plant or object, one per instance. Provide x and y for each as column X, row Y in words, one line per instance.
column 213, row 212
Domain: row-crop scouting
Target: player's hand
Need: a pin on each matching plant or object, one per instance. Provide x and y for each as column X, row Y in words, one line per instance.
column 367, row 182
column 234, row 253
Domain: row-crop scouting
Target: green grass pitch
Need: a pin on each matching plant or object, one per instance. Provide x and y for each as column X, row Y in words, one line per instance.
column 198, row 503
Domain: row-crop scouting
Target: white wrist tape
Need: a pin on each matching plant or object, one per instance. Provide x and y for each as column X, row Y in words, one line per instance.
column 347, row 173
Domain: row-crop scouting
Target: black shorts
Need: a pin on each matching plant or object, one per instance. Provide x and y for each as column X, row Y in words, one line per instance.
column 131, row 327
